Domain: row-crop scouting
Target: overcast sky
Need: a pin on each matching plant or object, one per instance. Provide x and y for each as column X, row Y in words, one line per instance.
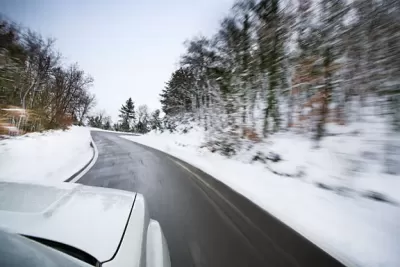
column 130, row 47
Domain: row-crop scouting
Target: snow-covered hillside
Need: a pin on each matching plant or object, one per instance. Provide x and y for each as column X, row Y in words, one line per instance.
column 327, row 194
column 47, row 156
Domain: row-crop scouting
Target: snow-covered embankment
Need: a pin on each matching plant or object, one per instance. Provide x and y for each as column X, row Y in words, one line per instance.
column 49, row 156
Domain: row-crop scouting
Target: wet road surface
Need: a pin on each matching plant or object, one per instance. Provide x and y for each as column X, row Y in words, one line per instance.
column 206, row 224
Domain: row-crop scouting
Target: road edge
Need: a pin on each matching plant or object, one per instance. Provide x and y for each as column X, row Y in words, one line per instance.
column 77, row 175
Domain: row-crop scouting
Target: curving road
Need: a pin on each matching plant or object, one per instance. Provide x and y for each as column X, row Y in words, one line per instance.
column 206, row 224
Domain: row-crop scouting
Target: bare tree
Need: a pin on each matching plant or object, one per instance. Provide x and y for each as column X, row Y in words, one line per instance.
column 87, row 102
column 41, row 59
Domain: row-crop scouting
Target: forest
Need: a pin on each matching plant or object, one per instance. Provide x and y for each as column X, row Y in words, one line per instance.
column 277, row 65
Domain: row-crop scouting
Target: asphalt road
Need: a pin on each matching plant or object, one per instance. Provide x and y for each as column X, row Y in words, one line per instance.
column 206, row 224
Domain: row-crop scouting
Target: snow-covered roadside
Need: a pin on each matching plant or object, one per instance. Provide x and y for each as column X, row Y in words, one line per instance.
column 357, row 230
column 48, row 156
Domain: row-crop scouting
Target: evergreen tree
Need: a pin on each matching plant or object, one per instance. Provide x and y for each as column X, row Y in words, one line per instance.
column 199, row 59
column 95, row 121
column 107, row 125
column 116, row 127
column 143, row 119
column 155, row 121
column 127, row 116
column 176, row 97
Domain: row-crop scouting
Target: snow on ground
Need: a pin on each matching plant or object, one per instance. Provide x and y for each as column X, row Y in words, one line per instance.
column 47, row 156
column 357, row 230
column 352, row 161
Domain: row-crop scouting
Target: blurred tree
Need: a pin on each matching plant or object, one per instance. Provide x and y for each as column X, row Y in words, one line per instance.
column 31, row 76
column 107, row 123
column 155, row 120
column 143, row 119
column 116, row 127
column 313, row 63
column 331, row 48
column 270, row 42
column 176, row 97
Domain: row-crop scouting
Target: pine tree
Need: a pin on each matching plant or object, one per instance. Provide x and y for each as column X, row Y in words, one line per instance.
column 143, row 119
column 116, row 127
column 107, row 126
column 95, row 121
column 127, row 116
column 155, row 121
column 176, row 97
column 199, row 59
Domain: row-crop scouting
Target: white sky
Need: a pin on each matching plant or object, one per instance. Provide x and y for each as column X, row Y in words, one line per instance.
column 130, row 47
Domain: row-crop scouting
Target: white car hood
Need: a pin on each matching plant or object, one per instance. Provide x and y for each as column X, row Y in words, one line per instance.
column 91, row 219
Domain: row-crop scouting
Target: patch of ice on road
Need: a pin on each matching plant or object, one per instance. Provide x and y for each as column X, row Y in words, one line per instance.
column 47, row 156
column 357, row 230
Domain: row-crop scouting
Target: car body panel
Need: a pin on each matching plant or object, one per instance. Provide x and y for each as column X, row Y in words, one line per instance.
column 157, row 253
column 132, row 251
column 143, row 244
column 91, row 219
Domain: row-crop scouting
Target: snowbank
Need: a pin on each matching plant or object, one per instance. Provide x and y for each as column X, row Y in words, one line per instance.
column 357, row 230
column 47, row 156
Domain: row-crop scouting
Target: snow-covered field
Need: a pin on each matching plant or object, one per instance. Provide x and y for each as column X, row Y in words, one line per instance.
column 358, row 230
column 47, row 156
